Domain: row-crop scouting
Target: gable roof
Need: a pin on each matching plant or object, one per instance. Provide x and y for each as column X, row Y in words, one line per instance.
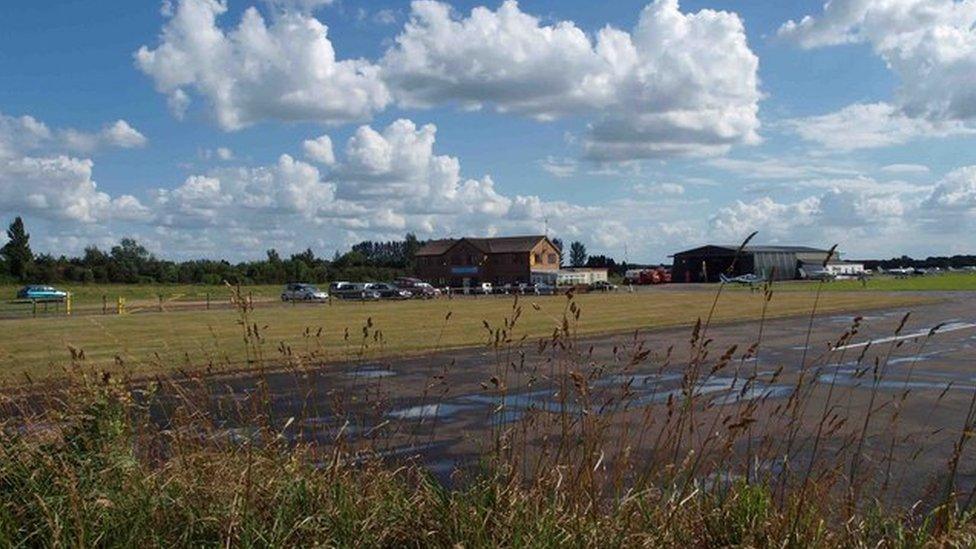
column 436, row 247
column 506, row 244
column 499, row 245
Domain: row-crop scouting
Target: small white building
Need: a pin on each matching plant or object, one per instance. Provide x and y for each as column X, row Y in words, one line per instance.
column 570, row 276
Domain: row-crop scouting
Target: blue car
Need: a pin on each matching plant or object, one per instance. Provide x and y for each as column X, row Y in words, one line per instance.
column 41, row 293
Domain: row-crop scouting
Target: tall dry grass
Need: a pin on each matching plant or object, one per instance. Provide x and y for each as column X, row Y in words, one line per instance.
column 641, row 446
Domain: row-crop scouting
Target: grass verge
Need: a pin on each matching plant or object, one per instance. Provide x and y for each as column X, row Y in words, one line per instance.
column 147, row 344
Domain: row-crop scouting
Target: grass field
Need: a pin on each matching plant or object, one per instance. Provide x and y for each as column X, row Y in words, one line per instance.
column 148, row 343
column 92, row 297
column 885, row 283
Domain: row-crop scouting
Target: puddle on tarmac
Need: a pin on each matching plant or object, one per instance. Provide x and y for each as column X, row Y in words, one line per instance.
column 849, row 319
column 858, row 379
column 371, row 373
column 641, row 390
column 637, row 380
column 754, row 393
column 237, row 435
column 442, row 410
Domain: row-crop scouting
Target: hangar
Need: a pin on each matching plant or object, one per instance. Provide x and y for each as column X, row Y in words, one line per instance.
column 706, row 263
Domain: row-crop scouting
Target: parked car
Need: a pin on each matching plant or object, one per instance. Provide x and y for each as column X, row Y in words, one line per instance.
column 303, row 292
column 543, row 289
column 41, row 293
column 603, row 286
column 388, row 291
column 484, row 288
column 417, row 288
column 336, row 287
column 356, row 291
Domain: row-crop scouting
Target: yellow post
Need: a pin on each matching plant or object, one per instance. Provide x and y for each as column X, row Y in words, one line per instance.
column 120, row 305
column 67, row 304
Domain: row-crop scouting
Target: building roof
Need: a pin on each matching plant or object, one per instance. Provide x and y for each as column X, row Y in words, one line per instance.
column 796, row 249
column 436, row 247
column 756, row 249
column 833, row 262
column 500, row 245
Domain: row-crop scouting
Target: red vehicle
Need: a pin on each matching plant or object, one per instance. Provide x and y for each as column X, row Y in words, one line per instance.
column 655, row 275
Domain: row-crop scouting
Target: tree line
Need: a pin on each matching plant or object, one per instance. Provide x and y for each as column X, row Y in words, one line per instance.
column 129, row 262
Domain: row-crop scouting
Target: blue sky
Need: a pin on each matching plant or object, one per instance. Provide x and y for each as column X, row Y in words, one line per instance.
column 639, row 128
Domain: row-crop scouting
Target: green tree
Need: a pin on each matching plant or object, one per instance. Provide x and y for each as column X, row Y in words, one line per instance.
column 17, row 250
column 129, row 261
column 410, row 247
column 577, row 254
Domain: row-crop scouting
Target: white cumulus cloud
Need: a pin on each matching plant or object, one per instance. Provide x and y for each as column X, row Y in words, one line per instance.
column 930, row 45
column 61, row 187
column 39, row 176
column 320, row 150
column 285, row 70
column 678, row 84
column 956, row 191
column 870, row 125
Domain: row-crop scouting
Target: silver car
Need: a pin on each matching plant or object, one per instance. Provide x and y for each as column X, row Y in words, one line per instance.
column 303, row 292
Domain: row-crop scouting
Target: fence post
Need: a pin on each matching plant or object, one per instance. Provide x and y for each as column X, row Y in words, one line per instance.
column 67, row 304
column 104, row 304
column 160, row 297
column 120, row 305
column 208, row 301
column 34, row 307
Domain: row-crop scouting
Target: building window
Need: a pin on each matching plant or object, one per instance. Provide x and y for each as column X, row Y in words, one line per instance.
column 552, row 258
column 538, row 258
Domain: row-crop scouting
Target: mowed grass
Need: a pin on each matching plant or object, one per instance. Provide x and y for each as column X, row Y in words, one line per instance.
column 885, row 283
column 90, row 297
column 144, row 344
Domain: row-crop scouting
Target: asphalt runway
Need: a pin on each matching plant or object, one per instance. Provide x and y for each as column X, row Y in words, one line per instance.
column 447, row 408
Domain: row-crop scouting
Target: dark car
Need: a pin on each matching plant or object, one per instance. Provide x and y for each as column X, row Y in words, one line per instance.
column 603, row 286
column 417, row 288
column 388, row 291
column 337, row 287
column 355, row 291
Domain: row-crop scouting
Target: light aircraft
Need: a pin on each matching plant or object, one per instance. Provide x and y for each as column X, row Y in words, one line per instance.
column 901, row 271
column 750, row 279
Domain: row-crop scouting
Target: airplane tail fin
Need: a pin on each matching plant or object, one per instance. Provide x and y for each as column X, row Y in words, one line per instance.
column 723, row 278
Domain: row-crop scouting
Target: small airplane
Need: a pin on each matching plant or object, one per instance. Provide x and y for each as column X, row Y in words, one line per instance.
column 819, row 274
column 750, row 279
column 901, row 271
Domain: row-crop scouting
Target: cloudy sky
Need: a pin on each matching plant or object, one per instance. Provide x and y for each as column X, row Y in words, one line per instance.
column 223, row 128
